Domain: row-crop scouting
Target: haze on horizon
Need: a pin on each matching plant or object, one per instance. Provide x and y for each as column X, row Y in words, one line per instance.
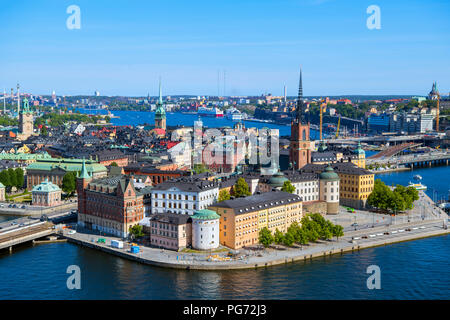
column 122, row 49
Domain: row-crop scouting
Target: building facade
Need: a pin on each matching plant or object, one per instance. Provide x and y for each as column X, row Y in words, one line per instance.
column 184, row 195
column 241, row 219
column 111, row 205
column 46, row 194
column 205, row 230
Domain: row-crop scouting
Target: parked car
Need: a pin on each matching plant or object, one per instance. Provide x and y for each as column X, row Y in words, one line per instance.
column 22, row 225
column 354, row 224
column 23, row 207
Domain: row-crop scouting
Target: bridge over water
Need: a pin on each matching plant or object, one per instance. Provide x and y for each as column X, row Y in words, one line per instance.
column 412, row 161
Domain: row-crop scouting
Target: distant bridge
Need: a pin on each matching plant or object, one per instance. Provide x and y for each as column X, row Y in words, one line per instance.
column 412, row 161
column 393, row 150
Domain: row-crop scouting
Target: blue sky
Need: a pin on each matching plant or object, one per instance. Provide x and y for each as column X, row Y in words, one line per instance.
column 124, row 46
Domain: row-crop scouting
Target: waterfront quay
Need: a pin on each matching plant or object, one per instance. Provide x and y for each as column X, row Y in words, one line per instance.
column 425, row 220
column 352, row 241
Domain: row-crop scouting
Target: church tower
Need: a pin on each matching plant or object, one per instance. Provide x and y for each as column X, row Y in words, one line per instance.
column 25, row 121
column 81, row 184
column 160, row 113
column 300, row 147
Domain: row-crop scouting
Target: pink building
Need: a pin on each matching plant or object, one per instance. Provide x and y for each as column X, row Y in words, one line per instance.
column 46, row 194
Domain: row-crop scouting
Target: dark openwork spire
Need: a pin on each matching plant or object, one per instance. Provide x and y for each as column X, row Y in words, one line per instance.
column 300, row 106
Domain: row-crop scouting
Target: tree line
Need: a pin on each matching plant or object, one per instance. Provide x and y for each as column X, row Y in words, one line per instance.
column 12, row 177
column 312, row 228
column 400, row 199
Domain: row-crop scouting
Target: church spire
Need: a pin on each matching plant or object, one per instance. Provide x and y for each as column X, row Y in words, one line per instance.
column 84, row 173
column 300, row 115
column 160, row 93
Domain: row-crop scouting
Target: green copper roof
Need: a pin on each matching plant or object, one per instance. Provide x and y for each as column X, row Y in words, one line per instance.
column 205, row 214
column 46, row 186
column 26, row 106
column 160, row 113
column 277, row 180
column 359, row 149
column 24, row 156
column 84, row 173
column 66, row 165
column 328, row 174
column 2, row 185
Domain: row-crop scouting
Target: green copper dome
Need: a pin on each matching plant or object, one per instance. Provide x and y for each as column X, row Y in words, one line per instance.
column 205, row 214
column 328, row 174
column 277, row 180
column 46, row 186
column 322, row 147
column 359, row 150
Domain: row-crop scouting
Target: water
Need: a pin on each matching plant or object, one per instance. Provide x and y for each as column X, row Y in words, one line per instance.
column 174, row 119
column 410, row 270
column 435, row 178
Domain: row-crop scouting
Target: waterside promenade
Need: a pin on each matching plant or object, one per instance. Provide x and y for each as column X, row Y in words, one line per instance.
column 352, row 241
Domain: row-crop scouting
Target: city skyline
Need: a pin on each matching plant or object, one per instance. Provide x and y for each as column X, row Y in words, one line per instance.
column 122, row 51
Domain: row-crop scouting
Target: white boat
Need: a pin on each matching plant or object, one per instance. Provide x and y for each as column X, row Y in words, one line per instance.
column 417, row 186
column 234, row 114
column 418, row 177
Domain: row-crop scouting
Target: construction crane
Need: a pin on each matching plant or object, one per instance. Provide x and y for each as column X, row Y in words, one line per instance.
column 337, row 129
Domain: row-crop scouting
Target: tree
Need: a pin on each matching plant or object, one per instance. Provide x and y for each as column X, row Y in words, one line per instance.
column 19, row 177
column 288, row 239
column 278, row 237
column 12, row 177
column 288, row 187
column 338, row 231
column 241, row 188
column 69, row 182
column 114, row 164
column 44, row 131
column 4, row 178
column 265, row 237
column 200, row 168
column 136, row 231
column 224, row 194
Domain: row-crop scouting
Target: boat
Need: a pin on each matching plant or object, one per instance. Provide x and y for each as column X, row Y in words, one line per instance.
column 210, row 112
column 418, row 177
column 417, row 186
column 234, row 114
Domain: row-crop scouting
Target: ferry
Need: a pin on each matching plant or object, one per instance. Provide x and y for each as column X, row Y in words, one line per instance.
column 417, row 186
column 234, row 114
column 210, row 112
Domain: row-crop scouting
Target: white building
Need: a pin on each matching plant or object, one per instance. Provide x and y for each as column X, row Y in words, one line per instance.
column 329, row 189
column 205, row 230
column 183, row 195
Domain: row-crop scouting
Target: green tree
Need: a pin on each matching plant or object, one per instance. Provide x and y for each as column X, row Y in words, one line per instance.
column 136, row 231
column 241, row 188
column 265, row 237
column 4, row 178
column 114, row 164
column 200, row 168
column 288, row 239
column 20, row 178
column 69, row 182
column 288, row 187
column 338, row 231
column 12, row 177
column 44, row 131
column 278, row 237
column 224, row 194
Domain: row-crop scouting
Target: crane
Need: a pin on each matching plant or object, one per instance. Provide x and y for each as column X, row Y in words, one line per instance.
column 337, row 129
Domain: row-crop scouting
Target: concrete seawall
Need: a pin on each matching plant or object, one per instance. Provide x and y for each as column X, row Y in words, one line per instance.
column 259, row 262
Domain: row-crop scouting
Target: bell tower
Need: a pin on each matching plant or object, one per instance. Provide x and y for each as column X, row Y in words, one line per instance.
column 300, row 146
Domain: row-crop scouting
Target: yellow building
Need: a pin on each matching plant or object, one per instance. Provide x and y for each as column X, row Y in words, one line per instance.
column 241, row 219
column 355, row 185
